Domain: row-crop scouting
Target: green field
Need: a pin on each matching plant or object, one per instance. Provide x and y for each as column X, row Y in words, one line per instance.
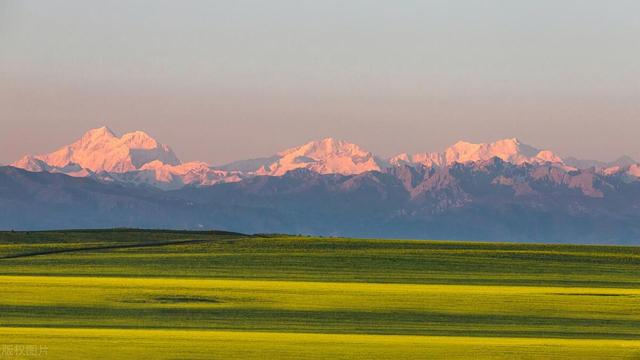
column 177, row 295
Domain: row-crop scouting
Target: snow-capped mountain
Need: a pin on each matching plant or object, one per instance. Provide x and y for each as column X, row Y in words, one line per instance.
column 171, row 177
column 101, row 150
column 326, row 156
column 501, row 190
column 485, row 200
column 510, row 150
column 135, row 157
column 628, row 172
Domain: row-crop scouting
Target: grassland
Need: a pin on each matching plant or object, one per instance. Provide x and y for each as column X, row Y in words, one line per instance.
column 175, row 295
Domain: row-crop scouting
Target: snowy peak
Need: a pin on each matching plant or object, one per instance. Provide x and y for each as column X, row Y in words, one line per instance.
column 30, row 163
column 326, row 147
column 138, row 158
column 95, row 135
column 139, row 140
column 135, row 158
column 145, row 149
column 509, row 150
column 631, row 172
column 101, row 150
column 171, row 177
column 326, row 156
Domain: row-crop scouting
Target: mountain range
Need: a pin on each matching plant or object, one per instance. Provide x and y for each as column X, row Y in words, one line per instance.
column 137, row 158
column 505, row 190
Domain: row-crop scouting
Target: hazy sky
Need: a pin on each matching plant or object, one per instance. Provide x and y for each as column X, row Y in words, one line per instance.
column 227, row 80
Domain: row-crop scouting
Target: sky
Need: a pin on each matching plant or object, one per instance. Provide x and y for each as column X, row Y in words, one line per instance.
column 227, row 80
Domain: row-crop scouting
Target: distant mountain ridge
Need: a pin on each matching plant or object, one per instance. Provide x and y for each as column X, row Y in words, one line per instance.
column 137, row 158
column 482, row 200
column 509, row 150
column 622, row 161
column 504, row 190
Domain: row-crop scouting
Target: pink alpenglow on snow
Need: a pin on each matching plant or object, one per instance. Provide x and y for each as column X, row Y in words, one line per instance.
column 101, row 150
column 135, row 157
column 509, row 150
column 326, row 156
column 138, row 158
